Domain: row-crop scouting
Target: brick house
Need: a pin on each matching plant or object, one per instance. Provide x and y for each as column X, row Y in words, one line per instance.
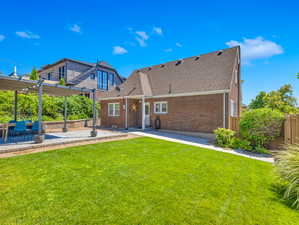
column 196, row 94
column 100, row 75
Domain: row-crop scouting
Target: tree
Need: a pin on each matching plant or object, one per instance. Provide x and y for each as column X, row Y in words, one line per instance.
column 259, row 101
column 34, row 74
column 282, row 100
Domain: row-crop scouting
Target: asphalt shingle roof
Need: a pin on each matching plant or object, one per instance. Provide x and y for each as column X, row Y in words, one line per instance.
column 207, row 72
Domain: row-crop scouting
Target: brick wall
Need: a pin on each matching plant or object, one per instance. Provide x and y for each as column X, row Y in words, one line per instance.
column 55, row 125
column 202, row 113
column 112, row 121
column 235, row 93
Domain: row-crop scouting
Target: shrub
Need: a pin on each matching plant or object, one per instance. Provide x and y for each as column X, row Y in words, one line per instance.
column 287, row 165
column 62, row 81
column 224, row 137
column 79, row 107
column 260, row 126
column 237, row 143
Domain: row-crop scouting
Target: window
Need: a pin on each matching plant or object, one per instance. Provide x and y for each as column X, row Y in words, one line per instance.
column 233, row 108
column 49, row 76
column 103, row 80
column 92, row 76
column 61, row 72
column 113, row 109
column 161, row 107
column 100, row 80
column 111, row 79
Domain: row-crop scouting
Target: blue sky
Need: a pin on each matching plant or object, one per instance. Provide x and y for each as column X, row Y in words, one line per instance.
column 132, row 34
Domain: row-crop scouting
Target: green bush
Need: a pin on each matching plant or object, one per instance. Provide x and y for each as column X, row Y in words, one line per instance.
column 287, row 165
column 224, row 137
column 79, row 107
column 260, row 126
column 237, row 143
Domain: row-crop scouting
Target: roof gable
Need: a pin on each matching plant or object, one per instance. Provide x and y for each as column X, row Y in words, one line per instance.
column 204, row 73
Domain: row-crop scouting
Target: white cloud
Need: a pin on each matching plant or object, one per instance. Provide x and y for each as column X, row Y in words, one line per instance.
column 27, row 34
column 141, row 42
column 257, row 48
column 75, row 28
column 179, row 45
column 158, row 30
column 168, row 50
column 142, row 35
column 2, row 37
column 118, row 50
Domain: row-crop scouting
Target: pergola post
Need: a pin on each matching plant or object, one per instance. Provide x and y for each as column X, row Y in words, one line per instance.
column 94, row 133
column 126, row 116
column 65, row 115
column 16, row 106
column 39, row 138
column 143, row 111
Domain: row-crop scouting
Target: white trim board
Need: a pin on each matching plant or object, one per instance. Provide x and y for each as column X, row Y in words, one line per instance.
column 172, row 95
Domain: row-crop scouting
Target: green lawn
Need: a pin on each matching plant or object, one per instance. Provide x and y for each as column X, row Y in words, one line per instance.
column 139, row 181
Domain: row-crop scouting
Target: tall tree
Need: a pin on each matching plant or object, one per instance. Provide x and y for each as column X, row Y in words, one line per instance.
column 282, row 100
column 34, row 74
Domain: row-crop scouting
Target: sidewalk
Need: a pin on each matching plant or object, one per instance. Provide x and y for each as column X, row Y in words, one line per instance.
column 200, row 142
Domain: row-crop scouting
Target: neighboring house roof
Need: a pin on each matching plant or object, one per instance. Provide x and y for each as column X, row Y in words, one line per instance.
column 207, row 72
column 85, row 74
column 67, row 59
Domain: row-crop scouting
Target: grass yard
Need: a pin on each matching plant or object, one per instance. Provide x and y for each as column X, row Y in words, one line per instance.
column 139, row 181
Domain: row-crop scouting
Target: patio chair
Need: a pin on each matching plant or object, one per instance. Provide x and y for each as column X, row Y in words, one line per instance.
column 27, row 125
column 10, row 129
column 35, row 126
column 19, row 129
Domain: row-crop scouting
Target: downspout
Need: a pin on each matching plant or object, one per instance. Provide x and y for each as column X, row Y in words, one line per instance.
column 143, row 111
column 224, row 110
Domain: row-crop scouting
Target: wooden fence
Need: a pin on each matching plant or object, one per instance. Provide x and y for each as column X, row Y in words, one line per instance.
column 290, row 132
column 291, row 129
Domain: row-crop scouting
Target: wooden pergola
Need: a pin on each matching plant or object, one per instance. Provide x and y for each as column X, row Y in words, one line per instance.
column 19, row 85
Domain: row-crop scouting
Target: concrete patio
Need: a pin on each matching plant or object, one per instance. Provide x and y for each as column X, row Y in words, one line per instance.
column 52, row 139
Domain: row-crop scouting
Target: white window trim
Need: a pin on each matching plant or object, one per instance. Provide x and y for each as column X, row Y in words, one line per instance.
column 233, row 108
column 160, row 103
column 113, row 107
